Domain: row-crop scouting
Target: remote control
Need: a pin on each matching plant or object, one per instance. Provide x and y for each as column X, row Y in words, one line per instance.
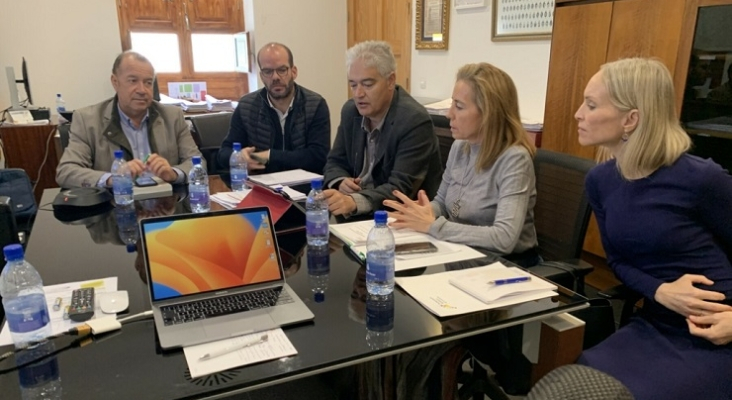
column 82, row 304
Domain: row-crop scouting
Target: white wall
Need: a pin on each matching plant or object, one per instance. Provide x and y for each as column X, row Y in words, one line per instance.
column 317, row 37
column 527, row 62
column 69, row 46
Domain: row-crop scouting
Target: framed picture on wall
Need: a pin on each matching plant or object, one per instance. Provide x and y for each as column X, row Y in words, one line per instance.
column 462, row 4
column 522, row 19
column 433, row 23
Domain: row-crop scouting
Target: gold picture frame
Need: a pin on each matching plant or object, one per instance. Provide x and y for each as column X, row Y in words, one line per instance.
column 522, row 19
column 433, row 24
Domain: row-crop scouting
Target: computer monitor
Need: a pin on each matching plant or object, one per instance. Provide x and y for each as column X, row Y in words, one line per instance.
column 13, row 86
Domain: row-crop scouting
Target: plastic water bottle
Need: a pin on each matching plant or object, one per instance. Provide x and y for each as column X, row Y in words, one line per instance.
column 127, row 226
column 39, row 380
column 24, row 301
column 238, row 169
column 316, row 216
column 318, row 271
column 380, row 321
column 121, row 180
column 380, row 257
column 60, row 103
column 198, row 193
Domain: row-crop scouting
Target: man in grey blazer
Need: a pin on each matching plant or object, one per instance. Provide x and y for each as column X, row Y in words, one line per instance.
column 385, row 141
column 154, row 138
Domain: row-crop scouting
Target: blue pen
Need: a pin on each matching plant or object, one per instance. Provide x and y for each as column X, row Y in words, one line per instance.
column 506, row 281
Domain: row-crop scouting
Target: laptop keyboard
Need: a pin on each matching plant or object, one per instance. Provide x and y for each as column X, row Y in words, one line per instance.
column 202, row 309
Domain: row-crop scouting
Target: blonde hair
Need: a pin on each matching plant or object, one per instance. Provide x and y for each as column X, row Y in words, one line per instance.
column 495, row 95
column 658, row 140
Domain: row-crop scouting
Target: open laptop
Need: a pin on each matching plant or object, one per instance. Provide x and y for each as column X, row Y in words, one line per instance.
column 216, row 275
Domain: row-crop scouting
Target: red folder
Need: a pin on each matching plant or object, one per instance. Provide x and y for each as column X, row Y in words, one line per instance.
column 278, row 207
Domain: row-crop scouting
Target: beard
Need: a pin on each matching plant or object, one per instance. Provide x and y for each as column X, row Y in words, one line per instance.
column 289, row 88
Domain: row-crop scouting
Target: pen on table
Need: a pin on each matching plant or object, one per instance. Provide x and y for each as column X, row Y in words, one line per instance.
column 240, row 346
column 146, row 158
column 506, row 281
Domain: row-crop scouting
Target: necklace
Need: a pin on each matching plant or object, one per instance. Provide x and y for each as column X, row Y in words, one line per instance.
column 455, row 209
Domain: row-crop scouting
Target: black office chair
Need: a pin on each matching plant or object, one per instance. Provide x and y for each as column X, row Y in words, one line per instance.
column 209, row 131
column 578, row 382
column 561, row 216
column 15, row 184
column 63, row 133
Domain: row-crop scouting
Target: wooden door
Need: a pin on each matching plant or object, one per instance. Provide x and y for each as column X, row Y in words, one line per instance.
column 213, row 16
column 387, row 20
column 646, row 28
column 150, row 15
column 579, row 41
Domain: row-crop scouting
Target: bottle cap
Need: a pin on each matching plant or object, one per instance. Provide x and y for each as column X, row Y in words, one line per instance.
column 380, row 217
column 196, row 160
column 13, row 252
column 58, row 94
column 237, row 146
column 131, row 248
column 118, row 154
column 316, row 184
column 319, row 297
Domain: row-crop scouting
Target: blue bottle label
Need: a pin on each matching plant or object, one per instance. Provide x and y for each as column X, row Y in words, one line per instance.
column 379, row 271
column 27, row 321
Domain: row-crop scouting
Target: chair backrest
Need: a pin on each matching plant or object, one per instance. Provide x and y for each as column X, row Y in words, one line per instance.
column 63, row 133
column 14, row 183
column 562, row 212
column 578, row 382
column 209, row 131
column 8, row 226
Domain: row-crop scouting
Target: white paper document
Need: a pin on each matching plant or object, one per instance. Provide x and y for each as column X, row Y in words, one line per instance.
column 491, row 284
column 285, row 178
column 277, row 345
column 230, row 199
column 63, row 290
column 441, row 298
column 355, row 234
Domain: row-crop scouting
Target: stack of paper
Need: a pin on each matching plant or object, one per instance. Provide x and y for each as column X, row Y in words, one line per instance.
column 218, row 105
column 440, row 107
column 285, row 178
column 169, row 101
column 194, row 106
column 442, row 298
column 355, row 234
column 230, row 199
column 532, row 125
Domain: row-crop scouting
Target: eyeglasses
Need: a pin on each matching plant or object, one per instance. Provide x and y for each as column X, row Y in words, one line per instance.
column 268, row 72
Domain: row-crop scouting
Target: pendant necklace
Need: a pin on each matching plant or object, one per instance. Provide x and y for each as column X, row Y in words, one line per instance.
column 455, row 209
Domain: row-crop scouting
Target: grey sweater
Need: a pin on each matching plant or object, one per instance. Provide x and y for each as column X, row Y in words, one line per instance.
column 496, row 204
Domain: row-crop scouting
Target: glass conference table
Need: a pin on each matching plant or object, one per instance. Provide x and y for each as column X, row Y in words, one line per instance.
column 128, row 363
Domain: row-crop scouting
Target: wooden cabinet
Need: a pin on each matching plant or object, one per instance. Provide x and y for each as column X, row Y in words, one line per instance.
column 590, row 33
column 32, row 148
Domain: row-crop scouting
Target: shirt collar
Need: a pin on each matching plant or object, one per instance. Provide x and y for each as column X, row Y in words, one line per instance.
column 289, row 107
column 377, row 127
column 128, row 121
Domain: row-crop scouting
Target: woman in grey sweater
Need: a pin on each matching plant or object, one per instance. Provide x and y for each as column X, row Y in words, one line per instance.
column 488, row 191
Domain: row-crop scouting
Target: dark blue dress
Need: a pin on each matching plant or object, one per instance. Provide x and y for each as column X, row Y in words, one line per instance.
column 676, row 221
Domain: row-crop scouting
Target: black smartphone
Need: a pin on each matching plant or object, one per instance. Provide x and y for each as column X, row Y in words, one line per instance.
column 144, row 181
column 415, row 248
column 258, row 159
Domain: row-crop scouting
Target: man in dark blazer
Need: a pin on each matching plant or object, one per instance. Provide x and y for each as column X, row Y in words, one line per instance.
column 283, row 125
column 154, row 138
column 385, row 140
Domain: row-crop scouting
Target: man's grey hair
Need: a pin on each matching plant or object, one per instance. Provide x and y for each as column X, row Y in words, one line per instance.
column 375, row 54
column 132, row 54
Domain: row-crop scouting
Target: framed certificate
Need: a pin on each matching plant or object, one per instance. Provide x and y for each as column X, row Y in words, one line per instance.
column 433, row 21
column 522, row 19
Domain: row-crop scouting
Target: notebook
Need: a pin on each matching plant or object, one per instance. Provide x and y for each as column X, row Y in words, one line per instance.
column 216, row 275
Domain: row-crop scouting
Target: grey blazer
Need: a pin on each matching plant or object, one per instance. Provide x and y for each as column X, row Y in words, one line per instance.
column 96, row 133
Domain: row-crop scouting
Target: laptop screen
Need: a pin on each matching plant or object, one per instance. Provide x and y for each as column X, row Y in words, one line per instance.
column 191, row 254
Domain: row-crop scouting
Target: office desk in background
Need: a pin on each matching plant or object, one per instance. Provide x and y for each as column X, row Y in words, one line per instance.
column 128, row 364
column 25, row 147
